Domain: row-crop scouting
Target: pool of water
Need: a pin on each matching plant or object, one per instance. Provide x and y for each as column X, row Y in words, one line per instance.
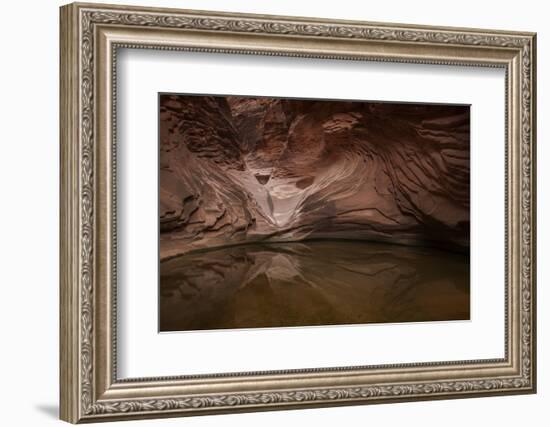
column 312, row 283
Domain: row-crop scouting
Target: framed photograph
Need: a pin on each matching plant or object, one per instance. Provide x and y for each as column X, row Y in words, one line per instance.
column 266, row 212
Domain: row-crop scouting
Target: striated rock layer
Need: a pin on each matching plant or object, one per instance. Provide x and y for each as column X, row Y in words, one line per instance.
column 239, row 169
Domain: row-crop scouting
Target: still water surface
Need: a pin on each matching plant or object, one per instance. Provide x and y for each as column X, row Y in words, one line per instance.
column 312, row 283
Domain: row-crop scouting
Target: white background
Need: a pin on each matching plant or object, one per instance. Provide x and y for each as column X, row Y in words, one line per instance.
column 29, row 171
column 145, row 353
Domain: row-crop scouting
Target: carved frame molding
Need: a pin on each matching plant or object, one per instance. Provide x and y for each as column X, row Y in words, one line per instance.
column 90, row 36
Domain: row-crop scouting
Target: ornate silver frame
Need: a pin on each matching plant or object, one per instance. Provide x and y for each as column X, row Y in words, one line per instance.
column 90, row 36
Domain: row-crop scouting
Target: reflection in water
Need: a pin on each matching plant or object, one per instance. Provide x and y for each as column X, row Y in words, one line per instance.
column 312, row 283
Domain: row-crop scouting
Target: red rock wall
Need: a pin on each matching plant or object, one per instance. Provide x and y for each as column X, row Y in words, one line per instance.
column 237, row 169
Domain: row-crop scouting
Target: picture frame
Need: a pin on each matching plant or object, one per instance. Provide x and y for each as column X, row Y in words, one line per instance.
column 91, row 35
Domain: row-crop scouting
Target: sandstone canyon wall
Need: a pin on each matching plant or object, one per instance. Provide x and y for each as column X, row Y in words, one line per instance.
column 238, row 169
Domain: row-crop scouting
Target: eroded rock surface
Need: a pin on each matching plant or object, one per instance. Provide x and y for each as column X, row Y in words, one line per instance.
column 238, row 169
